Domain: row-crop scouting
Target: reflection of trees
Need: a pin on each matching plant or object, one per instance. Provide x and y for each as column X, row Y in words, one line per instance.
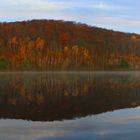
column 64, row 96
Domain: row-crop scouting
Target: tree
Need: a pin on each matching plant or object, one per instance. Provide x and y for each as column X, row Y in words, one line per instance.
column 4, row 63
column 124, row 63
column 25, row 62
column 64, row 38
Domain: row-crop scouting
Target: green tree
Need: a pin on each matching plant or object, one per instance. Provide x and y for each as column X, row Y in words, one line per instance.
column 124, row 63
column 25, row 62
column 4, row 62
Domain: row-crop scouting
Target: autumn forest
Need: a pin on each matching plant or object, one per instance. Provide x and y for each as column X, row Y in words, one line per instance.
column 65, row 45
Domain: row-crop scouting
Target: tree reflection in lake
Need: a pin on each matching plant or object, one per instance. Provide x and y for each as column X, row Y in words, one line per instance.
column 59, row 96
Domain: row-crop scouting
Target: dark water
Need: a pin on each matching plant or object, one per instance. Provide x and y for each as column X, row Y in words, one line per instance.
column 69, row 106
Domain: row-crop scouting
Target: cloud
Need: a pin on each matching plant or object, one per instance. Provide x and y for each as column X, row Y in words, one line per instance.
column 105, row 13
column 102, row 6
column 17, row 6
column 116, row 21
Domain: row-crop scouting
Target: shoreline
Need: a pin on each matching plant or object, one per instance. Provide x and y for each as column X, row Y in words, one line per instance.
column 71, row 72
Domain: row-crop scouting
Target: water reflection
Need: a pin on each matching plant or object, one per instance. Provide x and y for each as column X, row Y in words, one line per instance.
column 118, row 125
column 60, row 96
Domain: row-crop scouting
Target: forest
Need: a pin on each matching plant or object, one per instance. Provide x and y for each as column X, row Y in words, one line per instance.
column 66, row 45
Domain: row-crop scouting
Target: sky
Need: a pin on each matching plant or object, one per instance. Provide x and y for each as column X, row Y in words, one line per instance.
column 121, row 15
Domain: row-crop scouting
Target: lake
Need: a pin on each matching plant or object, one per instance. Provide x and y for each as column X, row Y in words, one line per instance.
column 70, row 106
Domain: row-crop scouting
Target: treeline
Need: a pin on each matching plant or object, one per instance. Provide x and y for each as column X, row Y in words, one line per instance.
column 61, row 45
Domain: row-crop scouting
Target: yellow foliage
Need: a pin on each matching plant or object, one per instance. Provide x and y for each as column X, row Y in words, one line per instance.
column 66, row 93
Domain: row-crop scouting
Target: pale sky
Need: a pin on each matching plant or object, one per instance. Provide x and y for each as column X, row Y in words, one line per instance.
column 121, row 15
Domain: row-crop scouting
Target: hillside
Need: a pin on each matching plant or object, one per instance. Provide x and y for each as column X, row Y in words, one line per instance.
column 65, row 45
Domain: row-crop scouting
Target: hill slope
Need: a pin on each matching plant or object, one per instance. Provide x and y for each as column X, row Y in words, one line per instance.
column 61, row 45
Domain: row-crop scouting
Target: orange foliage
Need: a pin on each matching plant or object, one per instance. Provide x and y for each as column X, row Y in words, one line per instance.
column 39, row 43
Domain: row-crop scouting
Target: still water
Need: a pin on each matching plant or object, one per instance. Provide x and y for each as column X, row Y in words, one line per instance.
column 70, row 106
